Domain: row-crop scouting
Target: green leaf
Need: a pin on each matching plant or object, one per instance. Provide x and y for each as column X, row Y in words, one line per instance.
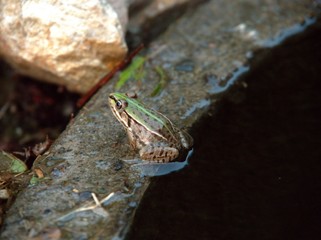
column 134, row 70
column 34, row 180
column 163, row 78
column 11, row 163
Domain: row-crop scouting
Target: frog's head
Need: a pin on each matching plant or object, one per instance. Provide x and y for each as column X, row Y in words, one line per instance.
column 120, row 101
column 121, row 105
column 117, row 102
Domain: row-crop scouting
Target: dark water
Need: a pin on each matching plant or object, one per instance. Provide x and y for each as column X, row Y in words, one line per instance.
column 257, row 173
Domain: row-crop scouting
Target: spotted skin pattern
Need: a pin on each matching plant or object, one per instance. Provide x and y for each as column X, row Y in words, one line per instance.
column 150, row 132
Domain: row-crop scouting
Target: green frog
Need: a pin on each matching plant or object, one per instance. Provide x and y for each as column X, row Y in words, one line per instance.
column 149, row 131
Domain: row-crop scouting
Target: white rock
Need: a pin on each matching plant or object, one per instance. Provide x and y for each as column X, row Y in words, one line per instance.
column 72, row 43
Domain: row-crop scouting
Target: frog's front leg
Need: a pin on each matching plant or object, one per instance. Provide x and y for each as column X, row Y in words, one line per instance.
column 158, row 153
column 132, row 139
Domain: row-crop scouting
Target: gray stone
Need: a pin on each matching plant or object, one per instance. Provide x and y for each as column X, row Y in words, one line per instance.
column 146, row 16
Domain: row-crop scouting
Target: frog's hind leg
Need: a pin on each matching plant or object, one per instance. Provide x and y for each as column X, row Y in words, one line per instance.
column 158, row 153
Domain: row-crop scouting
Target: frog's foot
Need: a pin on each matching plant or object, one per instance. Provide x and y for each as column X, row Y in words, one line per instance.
column 158, row 154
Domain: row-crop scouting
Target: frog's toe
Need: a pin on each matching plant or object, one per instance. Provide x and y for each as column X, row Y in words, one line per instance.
column 186, row 139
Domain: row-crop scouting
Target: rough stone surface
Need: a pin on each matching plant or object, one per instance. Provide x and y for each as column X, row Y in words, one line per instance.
column 146, row 16
column 199, row 53
column 71, row 43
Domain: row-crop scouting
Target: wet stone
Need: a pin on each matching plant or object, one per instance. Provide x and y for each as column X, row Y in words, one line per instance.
column 84, row 196
column 102, row 164
column 56, row 173
column 47, row 211
column 133, row 204
column 118, row 165
column 185, row 66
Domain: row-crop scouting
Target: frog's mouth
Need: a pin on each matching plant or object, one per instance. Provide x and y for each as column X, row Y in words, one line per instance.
column 112, row 100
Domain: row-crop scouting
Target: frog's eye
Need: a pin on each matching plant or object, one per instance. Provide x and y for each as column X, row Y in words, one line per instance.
column 119, row 104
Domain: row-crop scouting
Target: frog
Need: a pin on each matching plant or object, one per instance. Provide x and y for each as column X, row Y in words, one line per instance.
column 150, row 132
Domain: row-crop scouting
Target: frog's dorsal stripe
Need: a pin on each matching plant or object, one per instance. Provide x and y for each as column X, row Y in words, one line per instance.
column 150, row 113
column 149, row 129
